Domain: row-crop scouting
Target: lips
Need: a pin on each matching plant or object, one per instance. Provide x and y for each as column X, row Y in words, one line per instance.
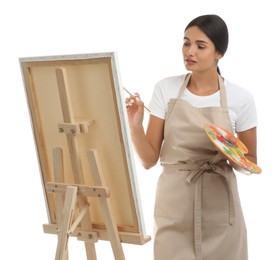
column 189, row 62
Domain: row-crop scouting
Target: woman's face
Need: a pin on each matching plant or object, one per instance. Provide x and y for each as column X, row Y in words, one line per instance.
column 199, row 51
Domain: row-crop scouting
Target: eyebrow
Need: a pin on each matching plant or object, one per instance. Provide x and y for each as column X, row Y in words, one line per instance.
column 198, row 41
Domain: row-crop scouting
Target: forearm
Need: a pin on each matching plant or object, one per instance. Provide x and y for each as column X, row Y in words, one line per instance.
column 249, row 138
column 147, row 145
column 146, row 153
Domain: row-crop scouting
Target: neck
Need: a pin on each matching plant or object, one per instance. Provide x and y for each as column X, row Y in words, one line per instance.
column 203, row 85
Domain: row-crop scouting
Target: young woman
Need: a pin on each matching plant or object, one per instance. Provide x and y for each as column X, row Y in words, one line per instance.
column 197, row 210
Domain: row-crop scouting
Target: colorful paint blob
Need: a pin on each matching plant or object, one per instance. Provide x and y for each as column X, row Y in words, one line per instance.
column 231, row 147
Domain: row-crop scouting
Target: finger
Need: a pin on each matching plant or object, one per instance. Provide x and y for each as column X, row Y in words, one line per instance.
column 130, row 101
column 137, row 96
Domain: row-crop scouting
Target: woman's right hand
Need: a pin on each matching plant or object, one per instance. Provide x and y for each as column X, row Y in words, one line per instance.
column 147, row 144
column 135, row 111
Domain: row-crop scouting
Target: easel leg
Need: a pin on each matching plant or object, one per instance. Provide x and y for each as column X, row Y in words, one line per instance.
column 67, row 216
column 86, row 224
column 59, row 177
column 106, row 206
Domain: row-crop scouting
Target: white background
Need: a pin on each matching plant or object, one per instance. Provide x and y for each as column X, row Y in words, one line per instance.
column 147, row 36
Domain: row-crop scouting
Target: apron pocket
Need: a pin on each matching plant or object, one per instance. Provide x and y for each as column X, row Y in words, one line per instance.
column 174, row 197
column 215, row 199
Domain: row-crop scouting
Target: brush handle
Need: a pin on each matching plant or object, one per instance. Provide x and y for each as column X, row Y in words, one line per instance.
column 128, row 92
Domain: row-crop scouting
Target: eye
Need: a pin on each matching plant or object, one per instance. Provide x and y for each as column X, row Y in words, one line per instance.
column 200, row 46
column 186, row 44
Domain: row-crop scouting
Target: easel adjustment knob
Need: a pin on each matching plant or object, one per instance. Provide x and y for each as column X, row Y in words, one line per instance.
column 75, row 128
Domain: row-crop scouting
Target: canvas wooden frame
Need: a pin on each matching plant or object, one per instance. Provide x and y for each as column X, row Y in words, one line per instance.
column 99, row 122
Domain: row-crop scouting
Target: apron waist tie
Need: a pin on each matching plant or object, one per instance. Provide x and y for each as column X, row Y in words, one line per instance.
column 194, row 175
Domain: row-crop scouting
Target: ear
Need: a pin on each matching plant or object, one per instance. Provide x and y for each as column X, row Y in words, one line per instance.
column 218, row 56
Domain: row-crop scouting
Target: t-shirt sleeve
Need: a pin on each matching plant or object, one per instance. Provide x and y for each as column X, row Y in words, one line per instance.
column 247, row 113
column 157, row 103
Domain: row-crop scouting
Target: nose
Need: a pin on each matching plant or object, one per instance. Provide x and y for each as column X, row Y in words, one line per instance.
column 191, row 50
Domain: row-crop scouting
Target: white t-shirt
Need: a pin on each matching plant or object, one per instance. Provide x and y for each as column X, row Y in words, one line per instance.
column 241, row 104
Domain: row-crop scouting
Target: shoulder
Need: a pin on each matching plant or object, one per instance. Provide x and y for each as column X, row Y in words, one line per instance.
column 237, row 92
column 171, row 81
column 170, row 85
column 164, row 90
column 241, row 103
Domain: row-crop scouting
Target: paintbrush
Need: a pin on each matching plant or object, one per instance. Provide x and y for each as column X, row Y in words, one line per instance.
column 128, row 92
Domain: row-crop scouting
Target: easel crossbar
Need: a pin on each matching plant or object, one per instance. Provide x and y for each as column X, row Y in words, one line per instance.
column 83, row 190
column 83, row 235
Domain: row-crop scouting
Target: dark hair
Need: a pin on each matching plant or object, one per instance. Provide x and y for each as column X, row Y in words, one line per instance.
column 216, row 30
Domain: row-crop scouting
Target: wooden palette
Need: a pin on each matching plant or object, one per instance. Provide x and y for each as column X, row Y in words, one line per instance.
column 231, row 147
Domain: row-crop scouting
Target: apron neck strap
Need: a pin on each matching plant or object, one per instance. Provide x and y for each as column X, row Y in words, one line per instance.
column 221, row 87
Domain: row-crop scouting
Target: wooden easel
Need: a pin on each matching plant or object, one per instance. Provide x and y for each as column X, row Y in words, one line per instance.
column 72, row 204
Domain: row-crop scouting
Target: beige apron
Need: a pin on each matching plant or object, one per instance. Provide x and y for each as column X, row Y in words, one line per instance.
column 197, row 211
